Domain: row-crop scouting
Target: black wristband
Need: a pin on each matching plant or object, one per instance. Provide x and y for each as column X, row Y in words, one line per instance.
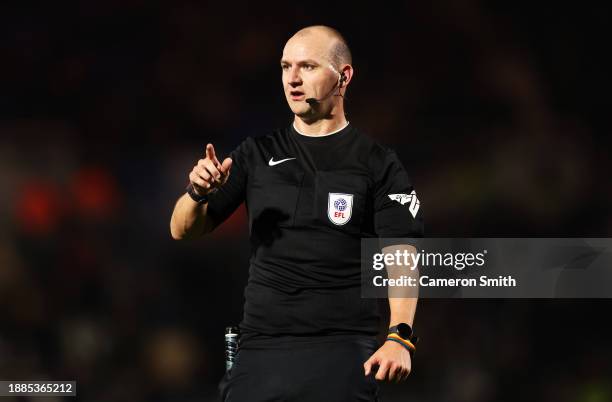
column 200, row 199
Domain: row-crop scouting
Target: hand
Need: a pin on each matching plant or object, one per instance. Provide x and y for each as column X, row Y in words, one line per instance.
column 393, row 361
column 209, row 174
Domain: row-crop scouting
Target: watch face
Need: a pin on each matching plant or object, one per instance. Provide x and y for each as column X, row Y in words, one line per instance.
column 404, row 330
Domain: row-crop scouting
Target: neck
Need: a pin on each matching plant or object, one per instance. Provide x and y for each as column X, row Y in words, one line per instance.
column 322, row 126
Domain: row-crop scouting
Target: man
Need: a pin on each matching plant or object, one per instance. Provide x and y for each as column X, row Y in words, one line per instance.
column 312, row 191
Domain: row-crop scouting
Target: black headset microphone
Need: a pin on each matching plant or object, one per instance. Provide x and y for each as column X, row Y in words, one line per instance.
column 314, row 101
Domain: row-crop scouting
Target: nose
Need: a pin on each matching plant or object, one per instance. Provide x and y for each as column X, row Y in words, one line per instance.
column 294, row 77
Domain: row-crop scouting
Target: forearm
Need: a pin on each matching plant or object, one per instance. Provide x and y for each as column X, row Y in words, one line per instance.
column 402, row 310
column 402, row 301
column 394, row 358
column 189, row 219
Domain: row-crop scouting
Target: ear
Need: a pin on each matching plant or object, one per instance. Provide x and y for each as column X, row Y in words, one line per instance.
column 342, row 78
column 346, row 74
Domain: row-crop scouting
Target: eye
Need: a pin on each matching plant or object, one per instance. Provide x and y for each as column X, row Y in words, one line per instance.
column 309, row 67
column 285, row 67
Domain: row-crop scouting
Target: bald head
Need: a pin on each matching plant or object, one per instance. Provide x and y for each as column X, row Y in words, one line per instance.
column 317, row 70
column 337, row 51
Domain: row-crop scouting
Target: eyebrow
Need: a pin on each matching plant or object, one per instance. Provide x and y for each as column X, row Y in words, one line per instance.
column 301, row 63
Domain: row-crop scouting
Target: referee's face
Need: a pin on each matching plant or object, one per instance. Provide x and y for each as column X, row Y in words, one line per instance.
column 307, row 74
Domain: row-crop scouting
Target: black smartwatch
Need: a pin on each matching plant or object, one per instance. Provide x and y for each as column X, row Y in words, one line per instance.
column 404, row 331
column 200, row 199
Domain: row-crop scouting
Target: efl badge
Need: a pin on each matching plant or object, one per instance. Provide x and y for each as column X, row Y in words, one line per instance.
column 339, row 208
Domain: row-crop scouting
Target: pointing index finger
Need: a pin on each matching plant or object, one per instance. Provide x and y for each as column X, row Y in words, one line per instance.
column 210, row 154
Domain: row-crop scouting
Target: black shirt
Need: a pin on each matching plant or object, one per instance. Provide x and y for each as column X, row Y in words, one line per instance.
column 310, row 200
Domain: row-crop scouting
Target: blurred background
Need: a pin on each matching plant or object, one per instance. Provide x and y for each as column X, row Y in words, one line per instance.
column 496, row 109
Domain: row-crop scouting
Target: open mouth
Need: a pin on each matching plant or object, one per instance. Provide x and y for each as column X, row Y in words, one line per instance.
column 296, row 95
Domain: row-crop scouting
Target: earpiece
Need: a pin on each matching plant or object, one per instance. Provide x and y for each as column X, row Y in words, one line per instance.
column 342, row 78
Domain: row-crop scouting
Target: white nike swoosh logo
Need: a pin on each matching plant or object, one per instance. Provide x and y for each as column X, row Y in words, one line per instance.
column 272, row 162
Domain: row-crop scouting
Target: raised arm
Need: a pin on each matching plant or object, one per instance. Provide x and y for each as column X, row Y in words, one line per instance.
column 189, row 218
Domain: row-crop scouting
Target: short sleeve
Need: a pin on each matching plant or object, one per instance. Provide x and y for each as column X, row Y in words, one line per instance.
column 223, row 202
column 397, row 210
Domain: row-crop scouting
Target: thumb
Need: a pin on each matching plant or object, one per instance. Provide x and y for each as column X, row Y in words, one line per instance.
column 367, row 366
column 226, row 165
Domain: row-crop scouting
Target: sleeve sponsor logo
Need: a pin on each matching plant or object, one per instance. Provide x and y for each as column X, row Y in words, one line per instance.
column 408, row 198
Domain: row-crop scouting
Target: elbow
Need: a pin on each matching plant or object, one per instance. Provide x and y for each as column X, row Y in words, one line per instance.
column 182, row 232
column 176, row 235
column 175, row 231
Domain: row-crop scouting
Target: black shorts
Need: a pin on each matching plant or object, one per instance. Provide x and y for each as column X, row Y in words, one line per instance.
column 316, row 369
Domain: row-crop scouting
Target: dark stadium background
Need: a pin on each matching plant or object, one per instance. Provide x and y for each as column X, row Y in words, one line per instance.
column 497, row 111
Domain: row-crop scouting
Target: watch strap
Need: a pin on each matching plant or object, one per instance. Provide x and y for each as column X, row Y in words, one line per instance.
column 200, row 199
